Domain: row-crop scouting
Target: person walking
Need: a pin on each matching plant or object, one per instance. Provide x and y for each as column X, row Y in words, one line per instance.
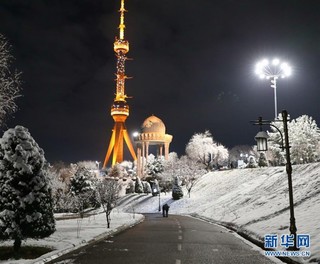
column 165, row 210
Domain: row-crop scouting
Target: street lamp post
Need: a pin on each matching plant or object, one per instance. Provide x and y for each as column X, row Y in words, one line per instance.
column 273, row 71
column 156, row 191
column 98, row 163
column 261, row 139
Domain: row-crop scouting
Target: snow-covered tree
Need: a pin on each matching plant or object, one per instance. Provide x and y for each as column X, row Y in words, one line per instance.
column 26, row 209
column 201, row 148
column 81, row 182
column 59, row 189
column 146, row 187
column 177, row 192
column 252, row 162
column 9, row 81
column 170, row 168
column 66, row 172
column 82, row 189
column 262, row 162
column 138, row 186
column 304, row 137
column 222, row 156
column 189, row 172
column 108, row 194
column 116, row 171
column 128, row 168
column 204, row 150
column 60, row 175
column 88, row 164
column 130, row 186
column 154, row 166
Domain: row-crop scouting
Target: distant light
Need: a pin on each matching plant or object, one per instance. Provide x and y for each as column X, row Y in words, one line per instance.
column 135, row 134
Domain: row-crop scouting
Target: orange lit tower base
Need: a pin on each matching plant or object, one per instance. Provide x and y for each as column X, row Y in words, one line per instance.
column 119, row 112
column 120, row 108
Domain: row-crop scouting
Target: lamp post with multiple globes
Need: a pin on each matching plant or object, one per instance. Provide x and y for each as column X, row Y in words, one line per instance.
column 273, row 71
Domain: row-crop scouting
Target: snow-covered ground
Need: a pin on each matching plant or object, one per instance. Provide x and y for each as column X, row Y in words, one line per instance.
column 255, row 201
column 67, row 237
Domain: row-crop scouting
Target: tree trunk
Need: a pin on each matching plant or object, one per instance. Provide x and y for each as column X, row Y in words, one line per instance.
column 108, row 218
column 17, row 246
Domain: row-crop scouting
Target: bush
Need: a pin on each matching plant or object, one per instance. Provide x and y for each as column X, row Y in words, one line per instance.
column 177, row 192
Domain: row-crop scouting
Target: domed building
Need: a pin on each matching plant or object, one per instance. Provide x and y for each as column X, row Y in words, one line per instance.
column 153, row 132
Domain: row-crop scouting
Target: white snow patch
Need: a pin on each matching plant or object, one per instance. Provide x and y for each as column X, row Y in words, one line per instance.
column 66, row 238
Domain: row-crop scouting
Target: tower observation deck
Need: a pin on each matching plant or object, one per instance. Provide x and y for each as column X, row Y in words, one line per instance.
column 120, row 108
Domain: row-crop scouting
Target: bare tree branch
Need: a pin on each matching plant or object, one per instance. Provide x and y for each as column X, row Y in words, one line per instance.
column 108, row 195
column 10, row 81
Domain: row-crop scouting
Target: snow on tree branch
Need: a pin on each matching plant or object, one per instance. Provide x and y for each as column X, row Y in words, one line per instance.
column 108, row 194
column 204, row 150
column 10, row 81
column 304, row 138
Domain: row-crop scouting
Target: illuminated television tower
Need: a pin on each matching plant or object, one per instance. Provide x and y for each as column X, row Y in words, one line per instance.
column 120, row 108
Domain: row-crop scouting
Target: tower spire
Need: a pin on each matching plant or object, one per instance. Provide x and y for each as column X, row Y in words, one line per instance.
column 122, row 26
column 121, row 48
column 120, row 108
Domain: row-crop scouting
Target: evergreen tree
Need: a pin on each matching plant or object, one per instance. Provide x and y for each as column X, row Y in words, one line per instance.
column 138, row 186
column 130, row 187
column 26, row 205
column 252, row 162
column 81, row 181
column 146, row 187
column 155, row 166
column 177, row 192
column 81, row 188
column 262, row 162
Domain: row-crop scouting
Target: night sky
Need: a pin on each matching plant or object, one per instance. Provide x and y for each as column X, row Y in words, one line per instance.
column 193, row 67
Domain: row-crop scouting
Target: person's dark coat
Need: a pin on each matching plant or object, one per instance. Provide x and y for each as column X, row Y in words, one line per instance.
column 165, row 210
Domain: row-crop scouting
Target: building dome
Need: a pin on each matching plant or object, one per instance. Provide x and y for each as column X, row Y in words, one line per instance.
column 153, row 124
